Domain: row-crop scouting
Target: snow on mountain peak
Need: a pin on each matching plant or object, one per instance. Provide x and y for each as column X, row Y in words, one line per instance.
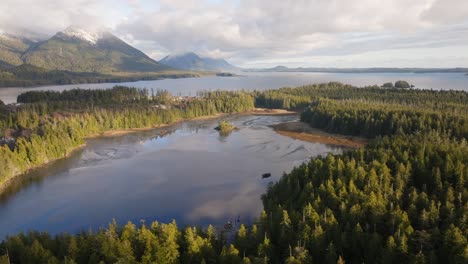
column 90, row 36
column 3, row 34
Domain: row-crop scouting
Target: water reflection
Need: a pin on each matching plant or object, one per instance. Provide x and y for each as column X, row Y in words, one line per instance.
column 190, row 174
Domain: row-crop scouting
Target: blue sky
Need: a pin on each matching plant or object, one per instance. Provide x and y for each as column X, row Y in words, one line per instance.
column 266, row 33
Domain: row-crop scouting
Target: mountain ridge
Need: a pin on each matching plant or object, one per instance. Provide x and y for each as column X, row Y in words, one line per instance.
column 75, row 55
column 12, row 48
column 194, row 62
column 77, row 50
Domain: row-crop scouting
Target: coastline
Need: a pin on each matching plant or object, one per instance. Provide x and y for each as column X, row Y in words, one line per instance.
column 9, row 181
column 302, row 131
column 121, row 132
column 129, row 79
column 267, row 111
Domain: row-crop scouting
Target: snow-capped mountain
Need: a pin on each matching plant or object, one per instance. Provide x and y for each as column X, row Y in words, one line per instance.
column 87, row 35
column 191, row 61
column 79, row 50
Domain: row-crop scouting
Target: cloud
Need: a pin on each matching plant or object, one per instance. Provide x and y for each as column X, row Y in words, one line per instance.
column 239, row 204
column 260, row 30
column 446, row 11
column 248, row 32
column 42, row 18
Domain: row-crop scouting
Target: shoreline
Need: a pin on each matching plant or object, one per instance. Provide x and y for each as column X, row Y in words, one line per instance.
column 302, row 131
column 184, row 75
column 122, row 132
column 267, row 111
column 8, row 182
column 255, row 111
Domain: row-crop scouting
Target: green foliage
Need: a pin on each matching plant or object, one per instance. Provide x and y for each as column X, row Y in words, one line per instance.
column 390, row 191
column 370, row 118
column 29, row 75
column 401, row 199
column 430, row 99
column 107, row 55
column 11, row 49
column 224, row 126
column 60, row 121
column 402, row 84
column 388, row 85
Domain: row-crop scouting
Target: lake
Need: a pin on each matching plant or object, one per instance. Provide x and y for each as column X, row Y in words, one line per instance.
column 186, row 172
column 272, row 80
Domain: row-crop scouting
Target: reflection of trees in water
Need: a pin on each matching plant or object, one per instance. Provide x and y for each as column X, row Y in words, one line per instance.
column 224, row 134
column 37, row 176
column 56, row 168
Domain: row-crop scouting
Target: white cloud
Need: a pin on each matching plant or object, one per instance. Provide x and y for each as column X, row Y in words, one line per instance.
column 261, row 32
column 446, row 11
column 46, row 17
column 248, row 32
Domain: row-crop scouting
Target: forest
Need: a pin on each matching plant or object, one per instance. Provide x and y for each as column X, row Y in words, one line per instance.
column 29, row 75
column 52, row 124
column 403, row 198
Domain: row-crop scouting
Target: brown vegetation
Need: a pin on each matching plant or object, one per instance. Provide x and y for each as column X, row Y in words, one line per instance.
column 303, row 131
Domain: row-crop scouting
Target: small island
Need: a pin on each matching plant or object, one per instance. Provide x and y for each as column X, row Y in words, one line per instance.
column 398, row 84
column 225, row 127
column 225, row 74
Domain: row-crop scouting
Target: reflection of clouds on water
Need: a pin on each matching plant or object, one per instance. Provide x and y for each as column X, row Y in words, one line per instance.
column 89, row 156
column 187, row 175
column 243, row 202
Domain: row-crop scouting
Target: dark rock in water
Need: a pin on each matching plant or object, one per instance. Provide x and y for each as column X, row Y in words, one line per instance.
column 266, row 175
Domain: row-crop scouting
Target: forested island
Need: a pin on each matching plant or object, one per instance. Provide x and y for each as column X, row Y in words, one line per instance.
column 225, row 127
column 402, row 198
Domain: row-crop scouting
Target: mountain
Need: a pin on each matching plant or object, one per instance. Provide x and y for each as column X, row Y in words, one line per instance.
column 78, row 50
column 193, row 62
column 11, row 50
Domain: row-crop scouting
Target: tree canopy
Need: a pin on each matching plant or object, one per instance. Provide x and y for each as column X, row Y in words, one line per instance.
column 403, row 198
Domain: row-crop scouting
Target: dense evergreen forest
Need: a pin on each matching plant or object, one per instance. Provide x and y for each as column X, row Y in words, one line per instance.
column 52, row 124
column 29, row 75
column 401, row 199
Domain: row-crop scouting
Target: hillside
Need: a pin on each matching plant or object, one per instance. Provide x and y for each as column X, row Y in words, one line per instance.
column 193, row 62
column 77, row 50
column 11, row 50
column 76, row 56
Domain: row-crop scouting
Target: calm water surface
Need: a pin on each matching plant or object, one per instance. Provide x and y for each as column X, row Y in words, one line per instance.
column 191, row 174
column 262, row 81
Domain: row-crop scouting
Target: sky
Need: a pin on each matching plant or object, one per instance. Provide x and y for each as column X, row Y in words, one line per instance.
column 265, row 33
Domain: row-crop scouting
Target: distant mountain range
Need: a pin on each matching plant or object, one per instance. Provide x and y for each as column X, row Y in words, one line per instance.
column 193, row 62
column 77, row 50
column 75, row 55
column 361, row 70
